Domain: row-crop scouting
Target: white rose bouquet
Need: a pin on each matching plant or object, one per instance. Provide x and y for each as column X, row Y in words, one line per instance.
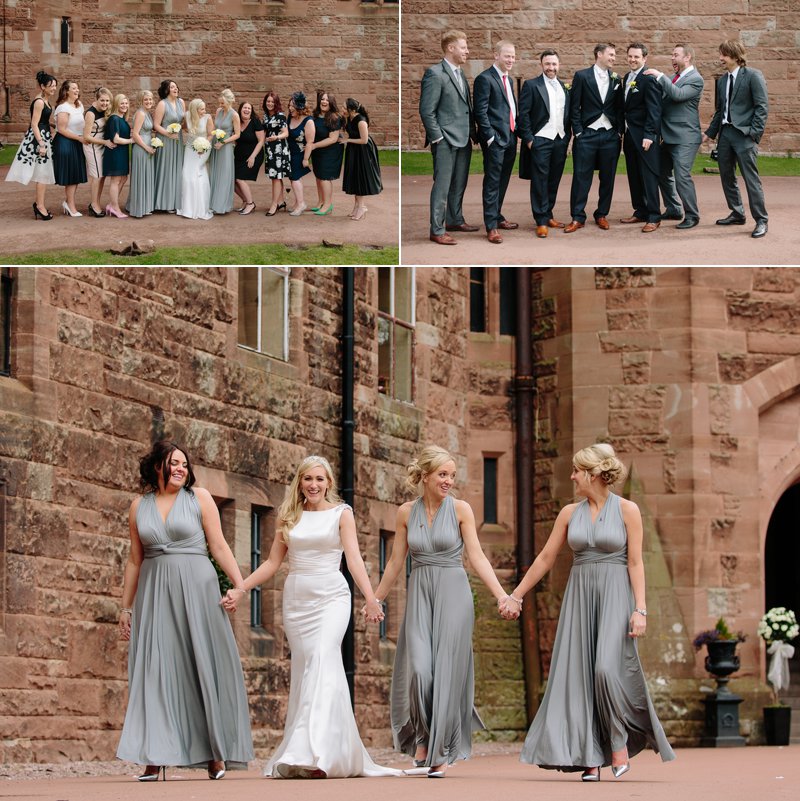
column 174, row 127
column 156, row 143
column 201, row 144
column 777, row 628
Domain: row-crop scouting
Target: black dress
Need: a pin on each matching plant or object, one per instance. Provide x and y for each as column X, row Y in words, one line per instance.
column 297, row 147
column 276, row 163
column 116, row 161
column 327, row 161
column 243, row 149
column 362, row 170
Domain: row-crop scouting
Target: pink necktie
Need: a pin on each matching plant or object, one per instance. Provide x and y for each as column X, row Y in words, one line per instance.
column 677, row 75
column 510, row 111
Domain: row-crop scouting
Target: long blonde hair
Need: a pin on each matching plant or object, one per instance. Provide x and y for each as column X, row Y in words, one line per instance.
column 292, row 507
column 430, row 459
column 193, row 117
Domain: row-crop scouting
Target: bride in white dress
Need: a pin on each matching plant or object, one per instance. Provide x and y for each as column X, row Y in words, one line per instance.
column 195, row 183
column 321, row 738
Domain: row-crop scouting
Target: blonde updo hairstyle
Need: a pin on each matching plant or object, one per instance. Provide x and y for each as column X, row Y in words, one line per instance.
column 600, row 460
column 431, row 459
column 229, row 96
column 292, row 507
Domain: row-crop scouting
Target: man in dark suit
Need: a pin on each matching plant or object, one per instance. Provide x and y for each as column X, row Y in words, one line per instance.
column 544, row 128
column 680, row 132
column 445, row 107
column 495, row 115
column 739, row 121
column 597, row 125
column 641, row 145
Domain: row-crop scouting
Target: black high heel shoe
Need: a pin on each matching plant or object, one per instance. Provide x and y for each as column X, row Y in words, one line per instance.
column 96, row 213
column 148, row 775
column 38, row 214
column 281, row 206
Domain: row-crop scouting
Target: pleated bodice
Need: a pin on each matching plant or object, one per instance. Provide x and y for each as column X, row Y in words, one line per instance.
column 604, row 540
column 182, row 532
column 437, row 545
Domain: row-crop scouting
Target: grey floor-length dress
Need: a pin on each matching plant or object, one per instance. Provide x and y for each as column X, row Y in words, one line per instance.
column 142, row 196
column 596, row 699
column 433, row 680
column 186, row 698
column 169, row 161
column 222, row 167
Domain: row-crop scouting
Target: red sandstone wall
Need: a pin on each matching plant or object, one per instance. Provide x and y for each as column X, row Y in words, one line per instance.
column 345, row 46
column 769, row 29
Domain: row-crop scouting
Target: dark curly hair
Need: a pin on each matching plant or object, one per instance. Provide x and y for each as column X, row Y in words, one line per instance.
column 157, row 462
column 163, row 88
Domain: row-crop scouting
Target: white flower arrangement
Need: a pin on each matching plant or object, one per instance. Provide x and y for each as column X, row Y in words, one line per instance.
column 174, row 127
column 777, row 628
column 201, row 144
column 156, row 142
column 218, row 134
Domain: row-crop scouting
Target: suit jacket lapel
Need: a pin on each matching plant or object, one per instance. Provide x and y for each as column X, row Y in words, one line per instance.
column 542, row 87
column 738, row 82
column 499, row 81
column 593, row 84
column 449, row 72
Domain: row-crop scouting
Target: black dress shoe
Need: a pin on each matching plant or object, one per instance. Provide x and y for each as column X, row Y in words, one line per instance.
column 760, row 230
column 689, row 222
column 671, row 216
column 463, row 227
column 732, row 219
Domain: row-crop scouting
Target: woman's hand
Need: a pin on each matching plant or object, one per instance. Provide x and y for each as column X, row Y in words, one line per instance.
column 231, row 598
column 637, row 625
column 251, row 162
column 218, row 145
column 373, row 611
column 125, row 625
column 509, row 607
column 305, row 162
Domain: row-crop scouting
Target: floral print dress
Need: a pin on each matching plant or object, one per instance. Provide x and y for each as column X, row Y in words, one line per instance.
column 276, row 162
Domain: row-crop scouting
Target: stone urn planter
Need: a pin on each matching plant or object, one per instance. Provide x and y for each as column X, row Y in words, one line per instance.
column 721, row 661
column 777, row 724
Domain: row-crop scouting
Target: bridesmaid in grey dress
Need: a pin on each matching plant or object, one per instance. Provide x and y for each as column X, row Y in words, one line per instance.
column 432, row 710
column 169, row 159
column 186, row 699
column 141, row 198
column 596, row 710
column 222, row 167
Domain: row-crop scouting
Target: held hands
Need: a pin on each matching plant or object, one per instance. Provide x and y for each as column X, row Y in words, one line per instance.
column 509, row 607
column 373, row 611
column 637, row 625
column 231, row 599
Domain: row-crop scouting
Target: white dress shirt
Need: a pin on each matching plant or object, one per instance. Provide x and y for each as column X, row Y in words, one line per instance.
column 557, row 97
column 604, row 85
column 726, row 117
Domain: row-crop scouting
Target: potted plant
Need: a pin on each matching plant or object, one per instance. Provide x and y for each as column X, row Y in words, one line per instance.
column 777, row 628
column 720, row 642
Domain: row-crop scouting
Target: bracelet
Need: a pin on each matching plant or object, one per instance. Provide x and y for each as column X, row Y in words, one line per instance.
column 516, row 600
column 129, row 611
column 642, row 612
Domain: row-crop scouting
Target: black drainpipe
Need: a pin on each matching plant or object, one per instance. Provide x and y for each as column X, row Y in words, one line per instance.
column 348, row 456
column 524, row 392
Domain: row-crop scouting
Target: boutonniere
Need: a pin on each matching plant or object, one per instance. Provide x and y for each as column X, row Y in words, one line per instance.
column 614, row 76
column 567, row 87
column 632, row 84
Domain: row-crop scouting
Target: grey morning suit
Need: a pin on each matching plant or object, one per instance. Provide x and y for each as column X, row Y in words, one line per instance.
column 446, row 113
column 681, row 135
column 738, row 140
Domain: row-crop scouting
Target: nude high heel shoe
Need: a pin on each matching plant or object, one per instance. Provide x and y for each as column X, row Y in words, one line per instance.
column 150, row 776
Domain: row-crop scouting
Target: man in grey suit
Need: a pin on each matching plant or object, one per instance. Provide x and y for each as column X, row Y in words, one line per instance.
column 739, row 121
column 445, row 107
column 680, row 132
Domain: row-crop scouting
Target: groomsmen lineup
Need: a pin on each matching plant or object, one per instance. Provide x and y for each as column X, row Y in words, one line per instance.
column 651, row 117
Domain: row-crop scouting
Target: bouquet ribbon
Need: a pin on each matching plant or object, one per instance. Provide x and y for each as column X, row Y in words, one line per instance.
column 778, row 674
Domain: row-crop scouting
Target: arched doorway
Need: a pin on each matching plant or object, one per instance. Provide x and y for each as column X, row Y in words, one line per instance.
column 782, row 561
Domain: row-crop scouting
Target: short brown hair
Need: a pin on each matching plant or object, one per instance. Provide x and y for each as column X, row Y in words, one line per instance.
column 638, row 46
column 601, row 46
column 733, row 48
column 687, row 49
column 448, row 37
column 548, row 53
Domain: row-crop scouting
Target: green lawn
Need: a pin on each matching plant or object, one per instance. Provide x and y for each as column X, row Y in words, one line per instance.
column 422, row 164
column 388, row 158
column 231, row 254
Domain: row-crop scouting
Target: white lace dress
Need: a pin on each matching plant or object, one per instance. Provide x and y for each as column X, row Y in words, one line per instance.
column 195, row 183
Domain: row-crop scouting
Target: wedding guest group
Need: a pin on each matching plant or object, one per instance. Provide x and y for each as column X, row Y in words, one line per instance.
column 179, row 156
column 651, row 118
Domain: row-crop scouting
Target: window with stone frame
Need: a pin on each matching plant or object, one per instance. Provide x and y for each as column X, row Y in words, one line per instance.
column 262, row 530
column 396, row 324
column 478, row 322
column 264, row 310
column 489, row 489
column 6, row 292
column 508, row 300
column 394, row 606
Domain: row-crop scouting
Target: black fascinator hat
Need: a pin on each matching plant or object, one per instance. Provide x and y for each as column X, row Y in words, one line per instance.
column 299, row 100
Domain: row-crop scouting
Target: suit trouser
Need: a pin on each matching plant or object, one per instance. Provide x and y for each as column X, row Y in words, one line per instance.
column 733, row 148
column 450, row 174
column 666, row 183
column 678, row 159
column 498, row 163
column 548, row 157
column 590, row 148
column 643, row 169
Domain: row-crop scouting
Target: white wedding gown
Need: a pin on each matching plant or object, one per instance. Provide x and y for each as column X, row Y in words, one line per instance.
column 195, row 183
column 321, row 732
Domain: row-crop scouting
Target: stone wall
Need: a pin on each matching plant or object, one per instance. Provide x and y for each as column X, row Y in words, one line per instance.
column 252, row 46
column 769, row 29
column 104, row 359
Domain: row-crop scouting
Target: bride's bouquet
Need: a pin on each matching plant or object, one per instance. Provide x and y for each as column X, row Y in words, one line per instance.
column 174, row 127
column 201, row 144
column 219, row 134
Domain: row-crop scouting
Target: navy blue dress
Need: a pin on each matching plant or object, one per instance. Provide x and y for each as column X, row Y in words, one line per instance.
column 297, row 145
column 116, row 161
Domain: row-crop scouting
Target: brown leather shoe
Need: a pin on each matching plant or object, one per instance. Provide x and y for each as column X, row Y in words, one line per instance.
column 602, row 223
column 650, row 227
column 464, row 228
column 494, row 237
column 508, row 226
column 541, row 231
column 556, row 224
column 443, row 239
column 573, row 226
column 631, row 220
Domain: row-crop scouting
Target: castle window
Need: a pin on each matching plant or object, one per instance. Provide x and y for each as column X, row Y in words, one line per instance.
column 264, row 310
